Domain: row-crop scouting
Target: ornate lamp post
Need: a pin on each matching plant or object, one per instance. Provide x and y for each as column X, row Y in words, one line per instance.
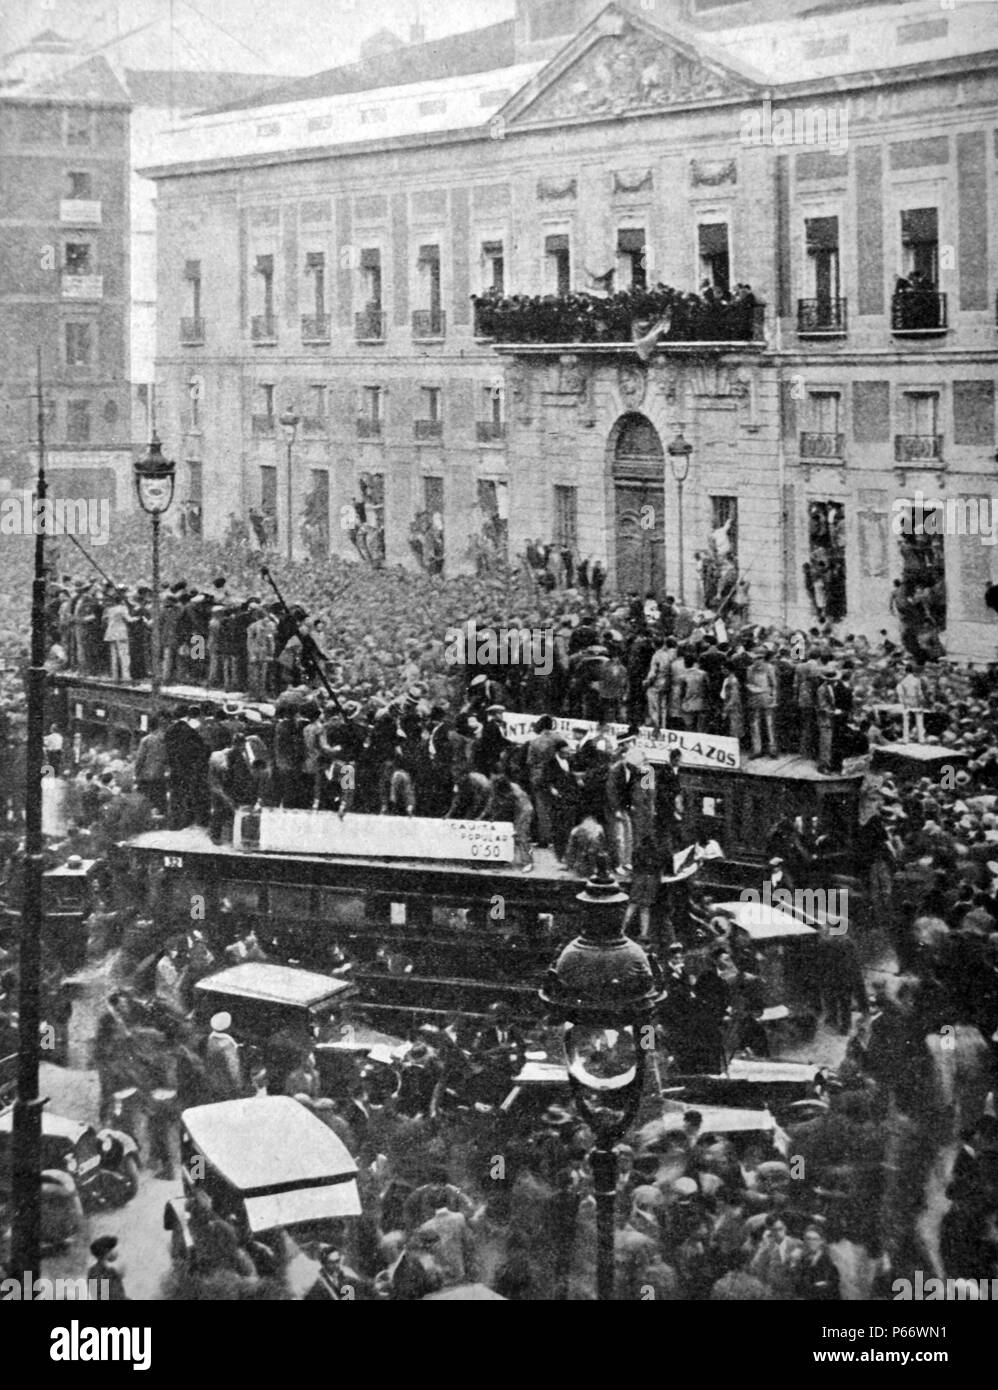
column 604, row 988
column 679, row 457
column 289, row 424
column 154, row 480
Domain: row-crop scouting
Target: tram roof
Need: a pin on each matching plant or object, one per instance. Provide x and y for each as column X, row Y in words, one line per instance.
column 285, row 984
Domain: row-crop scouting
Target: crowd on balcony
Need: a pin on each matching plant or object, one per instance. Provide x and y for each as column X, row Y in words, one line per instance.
column 918, row 303
column 713, row 315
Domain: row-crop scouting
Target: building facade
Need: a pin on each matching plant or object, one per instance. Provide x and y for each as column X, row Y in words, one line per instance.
column 317, row 258
column 64, row 283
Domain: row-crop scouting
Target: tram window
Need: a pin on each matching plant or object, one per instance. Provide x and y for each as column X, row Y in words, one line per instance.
column 294, row 903
column 244, row 897
column 712, row 807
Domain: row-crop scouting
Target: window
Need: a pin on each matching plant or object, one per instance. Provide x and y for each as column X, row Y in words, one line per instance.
column 81, row 186
column 263, row 408
column 371, row 404
column 558, row 263
column 823, row 409
column 315, row 266
column 566, row 516
column 493, row 267
column 921, row 410
column 78, row 422
column 265, row 271
column 78, row 258
column 316, row 409
column 192, row 276
column 920, row 247
column 492, row 405
column 370, row 269
column 825, row 567
column 370, row 115
column 431, row 403
column 715, row 261
column 433, row 498
column 79, row 128
column 194, row 482
column 429, row 274
column 268, row 499
column 436, row 106
column 79, row 344
column 724, row 528
column 631, row 265
column 821, row 267
column 195, row 387
column 269, row 128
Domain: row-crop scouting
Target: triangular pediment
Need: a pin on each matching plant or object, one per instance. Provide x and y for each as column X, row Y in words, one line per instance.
column 622, row 65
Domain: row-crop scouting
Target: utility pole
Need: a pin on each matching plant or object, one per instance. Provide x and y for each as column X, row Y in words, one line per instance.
column 27, row 1119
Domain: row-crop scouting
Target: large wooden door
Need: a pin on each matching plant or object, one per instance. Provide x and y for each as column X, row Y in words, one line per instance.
column 640, row 537
column 639, row 504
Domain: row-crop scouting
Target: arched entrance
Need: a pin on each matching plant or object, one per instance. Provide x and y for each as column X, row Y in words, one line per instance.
column 639, row 506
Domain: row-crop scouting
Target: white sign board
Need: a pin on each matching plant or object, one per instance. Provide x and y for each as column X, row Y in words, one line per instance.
column 697, row 750
column 382, row 837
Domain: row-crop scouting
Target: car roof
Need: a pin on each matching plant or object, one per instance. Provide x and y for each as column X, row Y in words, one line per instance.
column 762, row 922
column 55, row 1126
column 267, row 1142
column 283, row 984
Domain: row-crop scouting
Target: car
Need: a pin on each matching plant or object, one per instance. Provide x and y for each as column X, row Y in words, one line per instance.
column 266, row 1166
column 262, row 999
column 103, row 1164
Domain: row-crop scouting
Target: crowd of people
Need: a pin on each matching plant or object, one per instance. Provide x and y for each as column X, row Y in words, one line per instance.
column 713, row 315
column 407, row 734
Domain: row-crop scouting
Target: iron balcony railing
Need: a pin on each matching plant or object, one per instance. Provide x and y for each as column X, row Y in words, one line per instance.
column 819, row 444
column 821, row 315
column 915, row 448
column 918, row 311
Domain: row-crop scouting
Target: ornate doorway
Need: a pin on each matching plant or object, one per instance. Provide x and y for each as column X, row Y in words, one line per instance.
column 639, row 504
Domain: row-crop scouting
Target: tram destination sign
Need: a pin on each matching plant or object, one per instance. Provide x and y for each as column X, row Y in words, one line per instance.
column 375, row 837
column 696, row 750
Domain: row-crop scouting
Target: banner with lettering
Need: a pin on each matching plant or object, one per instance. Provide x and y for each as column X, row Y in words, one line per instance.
column 380, row 837
column 696, row 750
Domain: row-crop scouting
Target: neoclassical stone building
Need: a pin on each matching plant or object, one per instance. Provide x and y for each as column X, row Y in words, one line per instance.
column 318, row 254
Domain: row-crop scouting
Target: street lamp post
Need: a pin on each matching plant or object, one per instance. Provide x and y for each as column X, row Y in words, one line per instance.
column 603, row 988
column 154, row 479
column 289, row 424
column 679, row 457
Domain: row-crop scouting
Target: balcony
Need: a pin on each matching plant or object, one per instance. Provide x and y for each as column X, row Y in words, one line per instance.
column 263, row 426
column 82, row 286
column 821, row 445
column 313, row 424
column 192, row 332
column 918, row 313
column 428, row 324
column 490, row 431
column 368, row 428
column 638, row 319
column 369, row 326
column 821, row 318
column 315, row 328
column 263, row 328
column 918, row 448
column 429, row 429
column 80, row 212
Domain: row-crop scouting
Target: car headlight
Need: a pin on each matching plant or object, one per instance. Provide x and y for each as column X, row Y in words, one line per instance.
column 71, row 1164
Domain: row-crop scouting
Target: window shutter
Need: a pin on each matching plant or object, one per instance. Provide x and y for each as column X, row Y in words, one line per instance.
column 370, row 259
column 491, row 248
column 315, row 260
column 631, row 239
column 919, row 225
column 429, row 254
column 556, row 243
column 822, row 233
column 713, row 238
column 192, row 270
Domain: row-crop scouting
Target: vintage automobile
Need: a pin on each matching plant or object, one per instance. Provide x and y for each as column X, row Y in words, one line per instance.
column 102, row 1164
column 262, row 998
column 267, row 1166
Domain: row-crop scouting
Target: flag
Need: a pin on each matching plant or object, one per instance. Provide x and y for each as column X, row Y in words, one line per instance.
column 646, row 344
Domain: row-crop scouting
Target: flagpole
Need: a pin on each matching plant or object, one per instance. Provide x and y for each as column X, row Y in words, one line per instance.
column 27, row 1118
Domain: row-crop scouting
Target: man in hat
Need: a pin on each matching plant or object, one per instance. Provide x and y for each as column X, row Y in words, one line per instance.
column 222, row 1066
column 825, row 716
column 117, row 619
column 913, row 699
column 187, row 757
column 494, row 744
column 232, row 785
column 108, row 1271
